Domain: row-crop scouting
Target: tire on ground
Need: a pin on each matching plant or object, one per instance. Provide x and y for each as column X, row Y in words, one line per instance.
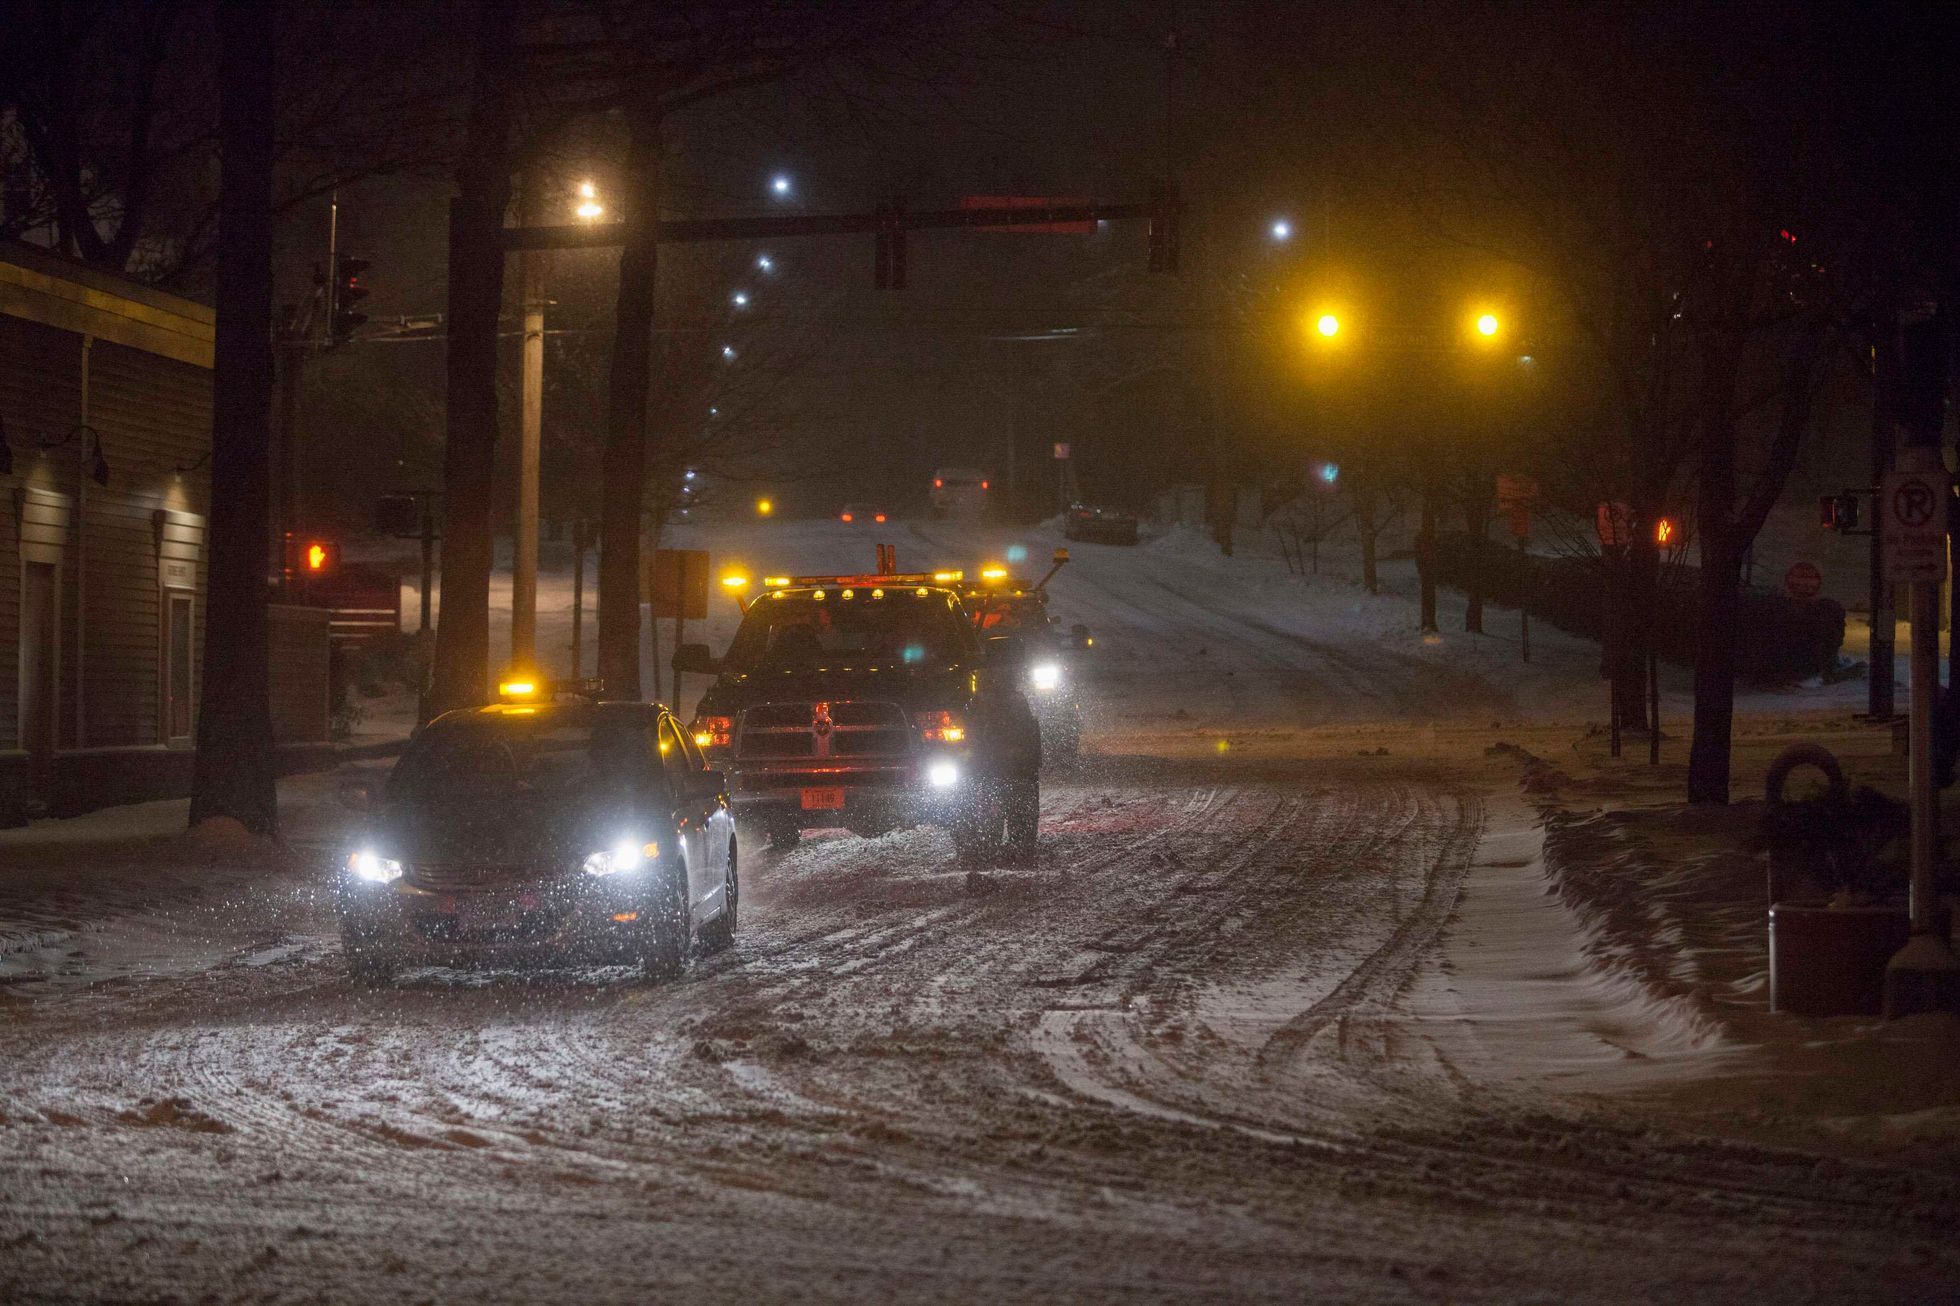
column 663, row 948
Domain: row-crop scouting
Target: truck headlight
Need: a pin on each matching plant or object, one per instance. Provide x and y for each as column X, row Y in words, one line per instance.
column 365, row 865
column 1045, row 676
column 942, row 775
column 626, row 855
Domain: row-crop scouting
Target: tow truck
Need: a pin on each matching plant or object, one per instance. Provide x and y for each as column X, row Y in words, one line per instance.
column 1002, row 604
column 871, row 702
column 551, row 823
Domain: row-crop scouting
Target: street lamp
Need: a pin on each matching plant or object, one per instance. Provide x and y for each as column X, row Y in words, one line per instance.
column 741, row 298
column 728, row 352
column 1487, row 325
column 1282, row 229
column 764, row 507
column 779, row 186
column 1328, row 325
column 764, row 263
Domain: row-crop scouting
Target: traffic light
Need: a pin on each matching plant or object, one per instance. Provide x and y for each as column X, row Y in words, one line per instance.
column 347, row 292
column 311, row 558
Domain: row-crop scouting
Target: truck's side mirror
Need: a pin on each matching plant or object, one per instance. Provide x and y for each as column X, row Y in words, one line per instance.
column 695, row 660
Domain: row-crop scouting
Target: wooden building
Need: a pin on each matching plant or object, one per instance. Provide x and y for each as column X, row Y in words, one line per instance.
column 105, row 397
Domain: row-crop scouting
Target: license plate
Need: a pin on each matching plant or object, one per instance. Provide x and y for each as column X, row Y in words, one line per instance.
column 823, row 800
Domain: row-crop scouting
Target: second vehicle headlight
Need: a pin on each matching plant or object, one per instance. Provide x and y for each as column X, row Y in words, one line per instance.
column 625, row 855
column 365, row 865
column 1045, row 676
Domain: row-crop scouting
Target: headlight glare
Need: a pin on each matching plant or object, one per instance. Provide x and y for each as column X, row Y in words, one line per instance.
column 942, row 775
column 624, row 855
column 375, row 870
column 1045, row 676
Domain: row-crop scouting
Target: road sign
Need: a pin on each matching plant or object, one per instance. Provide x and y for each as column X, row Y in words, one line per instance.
column 1912, row 515
column 1803, row 580
column 1614, row 523
column 1515, row 492
column 677, row 583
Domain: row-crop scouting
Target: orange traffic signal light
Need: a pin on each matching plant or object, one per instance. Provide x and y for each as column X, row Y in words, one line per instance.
column 1664, row 532
column 316, row 557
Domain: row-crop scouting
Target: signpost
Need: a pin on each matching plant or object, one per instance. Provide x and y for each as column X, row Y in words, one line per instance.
column 1803, row 580
column 1912, row 505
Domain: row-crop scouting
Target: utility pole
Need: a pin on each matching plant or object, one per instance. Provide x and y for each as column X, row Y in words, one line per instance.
column 532, row 269
column 1880, row 705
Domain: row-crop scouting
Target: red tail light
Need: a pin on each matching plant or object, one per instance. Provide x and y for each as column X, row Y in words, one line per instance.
column 844, row 516
column 938, row 484
column 984, row 484
column 879, row 518
column 713, row 732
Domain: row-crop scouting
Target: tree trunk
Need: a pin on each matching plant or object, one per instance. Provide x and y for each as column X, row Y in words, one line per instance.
column 1365, row 528
column 1476, row 520
column 476, row 294
column 234, row 770
column 624, row 462
column 1716, row 603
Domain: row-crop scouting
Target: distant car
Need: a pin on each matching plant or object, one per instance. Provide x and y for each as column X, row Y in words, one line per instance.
column 565, row 828
column 960, row 492
column 1099, row 525
column 864, row 514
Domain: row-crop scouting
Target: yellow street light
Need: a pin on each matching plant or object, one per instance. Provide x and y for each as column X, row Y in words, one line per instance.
column 1328, row 325
column 763, row 507
column 1487, row 324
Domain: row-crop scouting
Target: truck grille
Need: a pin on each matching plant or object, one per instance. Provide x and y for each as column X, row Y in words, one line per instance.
column 798, row 731
column 461, row 877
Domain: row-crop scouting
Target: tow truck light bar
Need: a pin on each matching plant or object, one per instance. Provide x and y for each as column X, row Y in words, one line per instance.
column 522, row 687
column 870, row 578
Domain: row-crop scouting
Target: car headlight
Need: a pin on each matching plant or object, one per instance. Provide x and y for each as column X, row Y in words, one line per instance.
column 1045, row 676
column 365, row 865
column 942, row 775
column 626, row 855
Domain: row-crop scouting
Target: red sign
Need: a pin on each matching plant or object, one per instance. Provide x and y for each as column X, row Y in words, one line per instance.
column 1612, row 523
column 1032, row 202
column 1514, row 492
column 1803, row 581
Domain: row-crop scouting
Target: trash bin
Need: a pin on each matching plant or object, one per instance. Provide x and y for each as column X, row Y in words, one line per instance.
column 1830, row 961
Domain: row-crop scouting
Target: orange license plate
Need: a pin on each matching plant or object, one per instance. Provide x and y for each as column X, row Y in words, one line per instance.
column 823, row 800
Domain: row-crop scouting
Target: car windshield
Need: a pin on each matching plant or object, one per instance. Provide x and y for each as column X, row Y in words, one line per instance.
column 803, row 633
column 514, row 758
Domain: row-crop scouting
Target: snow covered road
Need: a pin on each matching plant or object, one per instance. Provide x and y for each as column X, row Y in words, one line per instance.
column 1179, row 1057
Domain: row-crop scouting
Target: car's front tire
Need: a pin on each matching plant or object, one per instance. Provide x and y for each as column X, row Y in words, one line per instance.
column 668, row 929
column 368, row 967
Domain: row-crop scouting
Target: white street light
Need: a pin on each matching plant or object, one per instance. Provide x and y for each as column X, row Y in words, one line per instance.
column 741, row 298
column 1282, row 229
column 728, row 352
column 765, row 263
column 780, row 185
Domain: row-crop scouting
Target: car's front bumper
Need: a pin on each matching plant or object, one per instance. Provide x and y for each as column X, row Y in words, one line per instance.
column 578, row 916
column 885, row 792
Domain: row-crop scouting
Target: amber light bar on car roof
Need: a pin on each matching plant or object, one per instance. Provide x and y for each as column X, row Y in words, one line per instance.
column 876, row 578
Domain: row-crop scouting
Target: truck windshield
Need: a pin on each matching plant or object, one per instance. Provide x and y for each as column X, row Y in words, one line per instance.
column 803, row 633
